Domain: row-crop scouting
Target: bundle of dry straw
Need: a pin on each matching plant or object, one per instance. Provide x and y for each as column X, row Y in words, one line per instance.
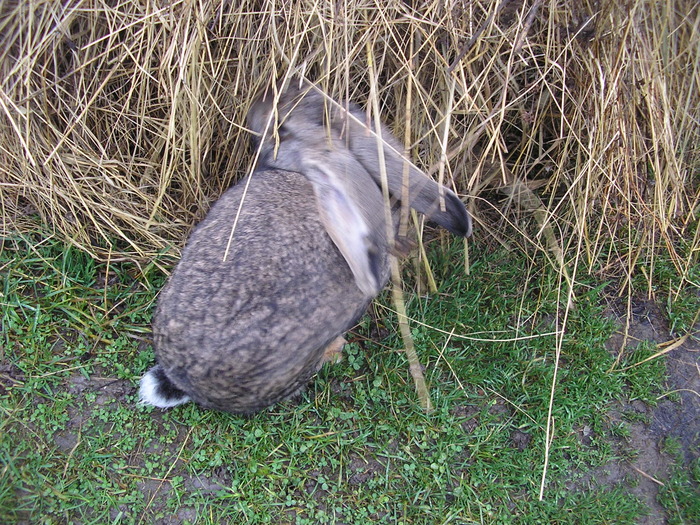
column 120, row 122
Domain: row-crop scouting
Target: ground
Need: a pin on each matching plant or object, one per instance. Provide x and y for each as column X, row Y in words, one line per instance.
column 356, row 447
column 642, row 465
column 678, row 420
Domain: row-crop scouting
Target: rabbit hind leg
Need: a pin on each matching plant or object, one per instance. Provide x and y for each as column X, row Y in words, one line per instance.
column 333, row 353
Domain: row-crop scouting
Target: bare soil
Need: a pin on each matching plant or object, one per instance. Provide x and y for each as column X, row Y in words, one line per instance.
column 649, row 466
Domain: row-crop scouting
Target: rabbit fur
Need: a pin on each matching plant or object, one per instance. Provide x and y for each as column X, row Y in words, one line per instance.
column 248, row 317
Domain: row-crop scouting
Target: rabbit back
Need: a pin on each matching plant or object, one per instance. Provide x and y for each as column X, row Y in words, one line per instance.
column 242, row 332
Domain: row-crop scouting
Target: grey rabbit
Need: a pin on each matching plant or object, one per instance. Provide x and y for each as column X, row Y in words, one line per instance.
column 250, row 314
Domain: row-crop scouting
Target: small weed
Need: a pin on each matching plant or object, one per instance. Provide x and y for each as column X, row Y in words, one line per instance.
column 671, row 445
column 645, row 378
column 634, row 416
column 620, row 430
column 680, row 494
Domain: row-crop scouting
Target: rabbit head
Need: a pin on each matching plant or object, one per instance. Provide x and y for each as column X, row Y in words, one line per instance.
column 347, row 198
column 340, row 156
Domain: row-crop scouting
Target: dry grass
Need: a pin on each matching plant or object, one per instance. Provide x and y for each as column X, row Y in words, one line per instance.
column 120, row 122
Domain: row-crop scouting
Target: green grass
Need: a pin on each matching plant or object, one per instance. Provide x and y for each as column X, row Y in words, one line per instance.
column 681, row 492
column 356, row 448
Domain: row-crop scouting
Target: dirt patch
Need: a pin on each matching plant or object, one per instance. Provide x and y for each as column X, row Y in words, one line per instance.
column 648, row 466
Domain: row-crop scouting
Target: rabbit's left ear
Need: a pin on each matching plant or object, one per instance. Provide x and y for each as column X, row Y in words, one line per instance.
column 348, row 227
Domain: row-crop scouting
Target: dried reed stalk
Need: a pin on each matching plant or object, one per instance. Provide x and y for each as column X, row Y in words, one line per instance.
column 119, row 125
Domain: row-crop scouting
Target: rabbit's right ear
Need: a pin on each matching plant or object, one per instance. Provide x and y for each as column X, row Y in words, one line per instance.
column 424, row 194
column 346, row 223
column 347, row 211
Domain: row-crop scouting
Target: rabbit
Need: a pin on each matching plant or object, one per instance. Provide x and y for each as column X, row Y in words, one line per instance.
column 250, row 314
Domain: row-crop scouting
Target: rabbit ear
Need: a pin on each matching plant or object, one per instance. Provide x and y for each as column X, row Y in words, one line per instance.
column 424, row 194
column 347, row 197
column 358, row 241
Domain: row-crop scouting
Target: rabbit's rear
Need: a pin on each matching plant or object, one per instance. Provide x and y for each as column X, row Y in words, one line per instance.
column 244, row 330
